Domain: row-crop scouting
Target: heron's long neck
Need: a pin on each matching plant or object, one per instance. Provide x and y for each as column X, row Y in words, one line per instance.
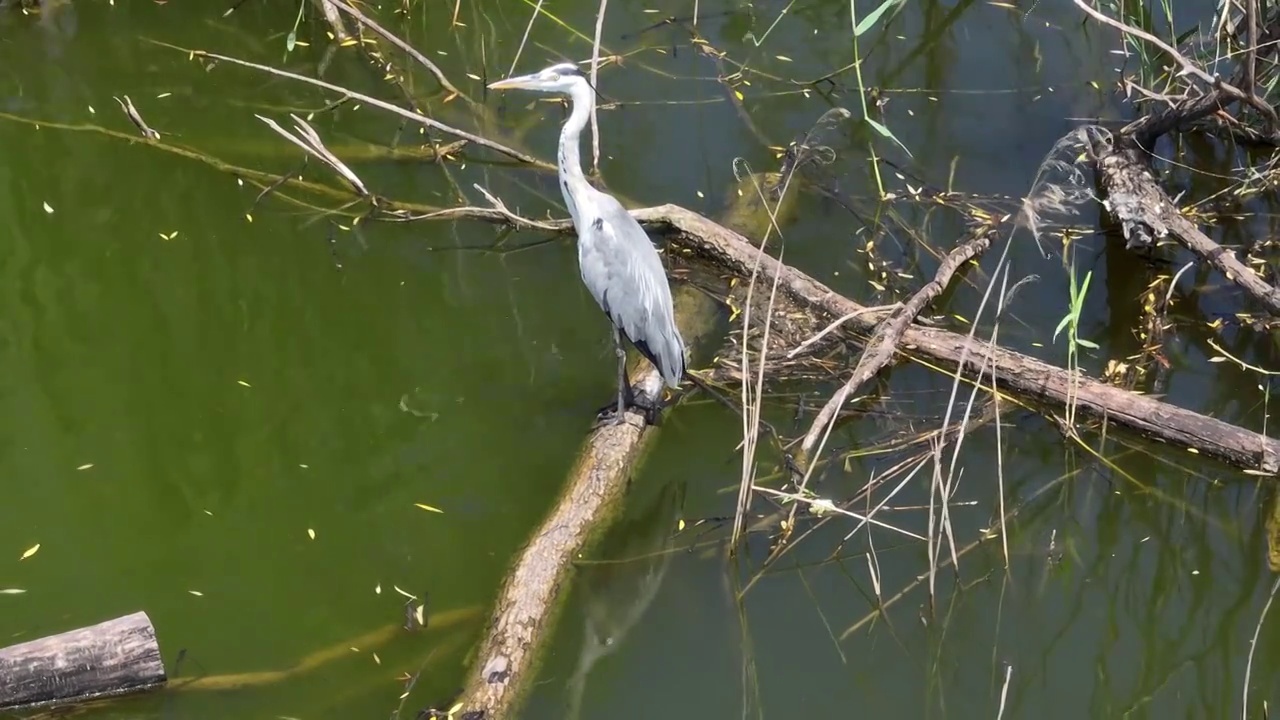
column 573, row 182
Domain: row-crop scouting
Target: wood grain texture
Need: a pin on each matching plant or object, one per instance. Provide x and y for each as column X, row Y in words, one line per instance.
column 112, row 658
column 1025, row 377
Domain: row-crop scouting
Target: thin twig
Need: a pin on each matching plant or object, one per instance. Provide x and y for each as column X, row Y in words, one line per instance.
column 595, row 64
column 423, row 119
column 1251, row 54
column 1004, row 690
column 136, row 118
column 520, row 50
column 309, row 141
column 335, row 20
column 391, row 38
column 880, row 349
column 1188, row 67
column 827, row 506
column 751, row 414
column 837, row 323
column 1253, row 644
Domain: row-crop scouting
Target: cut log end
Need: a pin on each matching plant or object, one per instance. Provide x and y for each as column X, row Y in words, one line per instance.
column 116, row 657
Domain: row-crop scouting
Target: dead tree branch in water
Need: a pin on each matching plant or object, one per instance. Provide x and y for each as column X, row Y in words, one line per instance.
column 880, row 349
column 389, row 107
column 1135, row 198
column 390, row 37
column 332, row 17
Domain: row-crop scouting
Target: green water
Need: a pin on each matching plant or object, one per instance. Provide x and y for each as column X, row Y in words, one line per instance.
column 181, row 413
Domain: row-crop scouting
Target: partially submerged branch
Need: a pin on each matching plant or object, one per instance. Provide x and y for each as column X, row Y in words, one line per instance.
column 882, row 346
column 1135, row 198
column 1034, row 382
column 389, row 107
column 390, row 37
column 1146, row 214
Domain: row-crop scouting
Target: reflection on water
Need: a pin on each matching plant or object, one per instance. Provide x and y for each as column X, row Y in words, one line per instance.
column 618, row 587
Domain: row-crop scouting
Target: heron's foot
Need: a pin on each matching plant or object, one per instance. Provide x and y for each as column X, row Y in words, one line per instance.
column 647, row 406
column 609, row 415
column 650, row 407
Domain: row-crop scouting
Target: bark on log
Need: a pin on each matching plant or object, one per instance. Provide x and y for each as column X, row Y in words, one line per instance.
column 1018, row 373
column 530, row 599
column 116, row 657
column 1146, row 214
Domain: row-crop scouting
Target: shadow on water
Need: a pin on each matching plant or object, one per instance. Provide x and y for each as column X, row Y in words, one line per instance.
column 232, row 419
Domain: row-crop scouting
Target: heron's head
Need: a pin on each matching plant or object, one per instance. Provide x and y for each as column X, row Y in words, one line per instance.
column 560, row 78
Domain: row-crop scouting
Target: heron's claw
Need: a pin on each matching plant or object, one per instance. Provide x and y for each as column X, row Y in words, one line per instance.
column 609, row 415
column 648, row 407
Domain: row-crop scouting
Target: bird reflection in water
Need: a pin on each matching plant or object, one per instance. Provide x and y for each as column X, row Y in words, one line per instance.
column 619, row 587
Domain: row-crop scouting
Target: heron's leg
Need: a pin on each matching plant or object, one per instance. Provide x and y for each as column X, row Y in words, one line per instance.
column 624, row 382
column 615, row 412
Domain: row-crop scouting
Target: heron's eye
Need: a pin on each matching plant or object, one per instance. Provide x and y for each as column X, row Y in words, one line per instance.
column 554, row 77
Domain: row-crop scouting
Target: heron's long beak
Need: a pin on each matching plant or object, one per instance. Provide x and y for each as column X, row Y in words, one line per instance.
column 515, row 83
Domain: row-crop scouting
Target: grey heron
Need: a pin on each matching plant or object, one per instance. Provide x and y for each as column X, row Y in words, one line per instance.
column 618, row 262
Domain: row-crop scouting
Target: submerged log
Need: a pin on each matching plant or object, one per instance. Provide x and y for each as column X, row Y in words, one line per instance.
column 113, row 658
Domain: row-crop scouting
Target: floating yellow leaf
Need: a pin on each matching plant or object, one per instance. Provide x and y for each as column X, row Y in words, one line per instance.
column 244, row 383
column 377, row 589
column 428, row 508
column 197, row 593
column 30, row 551
column 311, row 533
column 11, row 591
column 85, row 466
column 48, row 208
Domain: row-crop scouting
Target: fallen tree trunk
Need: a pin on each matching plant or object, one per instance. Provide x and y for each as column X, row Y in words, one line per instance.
column 1019, row 374
column 113, row 658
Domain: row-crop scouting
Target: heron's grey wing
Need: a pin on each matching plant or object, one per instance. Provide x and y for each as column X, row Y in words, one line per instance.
column 623, row 272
